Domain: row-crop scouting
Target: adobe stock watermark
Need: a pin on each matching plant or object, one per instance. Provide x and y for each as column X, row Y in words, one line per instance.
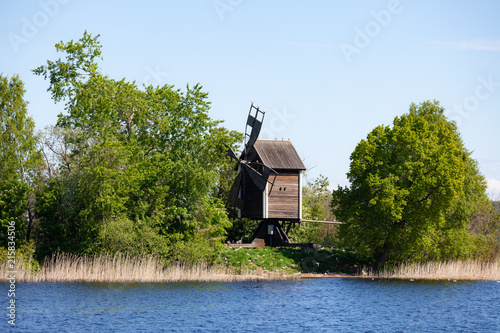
column 372, row 29
column 155, row 76
column 222, row 7
column 483, row 90
column 11, row 271
column 31, row 25
column 276, row 121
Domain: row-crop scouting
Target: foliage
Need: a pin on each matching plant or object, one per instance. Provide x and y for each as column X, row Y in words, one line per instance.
column 485, row 228
column 328, row 260
column 24, row 257
column 316, row 199
column 135, row 170
column 241, row 230
column 414, row 188
column 19, row 160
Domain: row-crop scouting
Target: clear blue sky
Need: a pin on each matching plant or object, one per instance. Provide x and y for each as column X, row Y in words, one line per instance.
column 326, row 72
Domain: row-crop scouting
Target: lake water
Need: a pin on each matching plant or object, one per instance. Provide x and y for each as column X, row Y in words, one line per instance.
column 314, row 305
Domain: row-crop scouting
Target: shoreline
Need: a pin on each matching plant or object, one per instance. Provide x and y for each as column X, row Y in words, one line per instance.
column 257, row 278
column 150, row 269
column 395, row 277
column 37, row 278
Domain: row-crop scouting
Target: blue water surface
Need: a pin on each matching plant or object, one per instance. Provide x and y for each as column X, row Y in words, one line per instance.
column 315, row 305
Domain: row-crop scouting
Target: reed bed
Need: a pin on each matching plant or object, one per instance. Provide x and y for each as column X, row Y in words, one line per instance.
column 124, row 268
column 450, row 270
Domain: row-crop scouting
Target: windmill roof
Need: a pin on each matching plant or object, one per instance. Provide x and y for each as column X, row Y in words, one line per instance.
column 279, row 154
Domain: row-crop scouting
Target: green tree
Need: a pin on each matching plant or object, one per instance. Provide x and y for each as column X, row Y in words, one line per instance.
column 19, row 160
column 139, row 169
column 316, row 199
column 413, row 190
column 485, row 228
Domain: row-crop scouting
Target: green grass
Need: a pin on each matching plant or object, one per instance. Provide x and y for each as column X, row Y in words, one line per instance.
column 292, row 260
column 264, row 258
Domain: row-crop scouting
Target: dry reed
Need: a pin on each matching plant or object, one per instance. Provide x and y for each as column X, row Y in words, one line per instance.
column 124, row 268
column 450, row 270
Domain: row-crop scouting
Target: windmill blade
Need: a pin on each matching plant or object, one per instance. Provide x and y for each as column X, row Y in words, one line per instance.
column 266, row 171
column 256, row 124
column 232, row 198
column 266, row 174
column 256, row 177
column 231, row 154
column 254, row 134
column 251, row 120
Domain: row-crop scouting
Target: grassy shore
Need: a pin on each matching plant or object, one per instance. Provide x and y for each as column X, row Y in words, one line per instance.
column 125, row 268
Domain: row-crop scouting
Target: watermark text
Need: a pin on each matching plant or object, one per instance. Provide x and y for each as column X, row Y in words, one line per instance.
column 32, row 25
column 483, row 90
column 222, row 7
column 364, row 36
column 11, row 271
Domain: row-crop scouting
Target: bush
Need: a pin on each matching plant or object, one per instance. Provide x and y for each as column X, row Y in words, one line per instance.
column 24, row 255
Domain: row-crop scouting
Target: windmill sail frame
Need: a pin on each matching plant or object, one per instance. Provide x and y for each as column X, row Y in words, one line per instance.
column 256, row 125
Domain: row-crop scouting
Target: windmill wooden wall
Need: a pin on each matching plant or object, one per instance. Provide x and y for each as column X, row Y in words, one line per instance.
column 283, row 200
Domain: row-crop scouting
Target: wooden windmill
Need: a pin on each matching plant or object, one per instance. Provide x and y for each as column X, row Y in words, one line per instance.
column 269, row 184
